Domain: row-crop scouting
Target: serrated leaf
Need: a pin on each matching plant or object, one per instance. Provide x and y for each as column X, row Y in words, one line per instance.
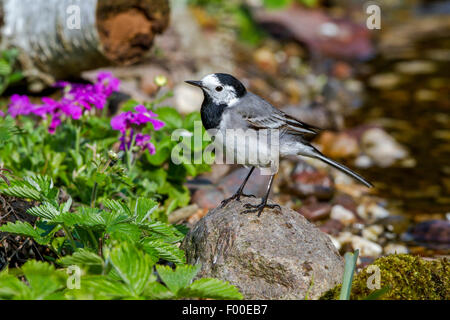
column 11, row 287
column 42, row 279
column 117, row 206
column 133, row 266
column 164, row 251
column 27, row 230
column 105, row 288
column 46, row 211
column 156, row 291
column 207, row 288
column 82, row 257
column 179, row 278
column 143, row 208
column 24, row 192
column 20, row 228
column 163, row 231
column 124, row 231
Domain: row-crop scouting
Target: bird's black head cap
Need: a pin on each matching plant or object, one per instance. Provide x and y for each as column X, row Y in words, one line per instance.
column 228, row 79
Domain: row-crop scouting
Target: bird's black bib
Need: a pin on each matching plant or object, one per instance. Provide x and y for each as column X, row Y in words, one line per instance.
column 211, row 113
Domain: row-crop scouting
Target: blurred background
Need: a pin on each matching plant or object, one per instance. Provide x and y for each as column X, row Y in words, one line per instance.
column 377, row 81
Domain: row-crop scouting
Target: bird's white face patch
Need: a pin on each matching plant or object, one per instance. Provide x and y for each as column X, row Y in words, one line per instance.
column 219, row 92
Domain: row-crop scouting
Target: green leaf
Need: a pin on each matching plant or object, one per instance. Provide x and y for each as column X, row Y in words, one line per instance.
column 143, row 208
column 211, row 289
column 27, row 230
column 170, row 117
column 20, row 228
column 375, row 295
column 39, row 188
column 5, row 68
column 163, row 231
column 22, row 191
column 102, row 287
column 46, row 211
column 117, row 206
column 11, row 287
column 124, row 231
column 133, row 266
column 42, row 278
column 350, row 265
column 82, row 257
column 179, row 278
column 164, row 251
column 156, row 291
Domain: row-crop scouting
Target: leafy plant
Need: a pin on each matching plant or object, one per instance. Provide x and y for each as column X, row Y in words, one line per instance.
column 82, row 158
column 118, row 247
column 9, row 73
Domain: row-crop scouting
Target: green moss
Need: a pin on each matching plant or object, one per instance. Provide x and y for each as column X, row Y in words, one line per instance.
column 410, row 278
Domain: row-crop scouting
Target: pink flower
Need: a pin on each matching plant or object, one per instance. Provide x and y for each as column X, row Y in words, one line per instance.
column 20, row 105
column 76, row 98
column 126, row 121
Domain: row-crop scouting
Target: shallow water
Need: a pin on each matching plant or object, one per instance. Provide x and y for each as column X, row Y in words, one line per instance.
column 417, row 113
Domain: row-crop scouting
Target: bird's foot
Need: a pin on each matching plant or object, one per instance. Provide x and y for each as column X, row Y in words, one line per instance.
column 237, row 196
column 259, row 207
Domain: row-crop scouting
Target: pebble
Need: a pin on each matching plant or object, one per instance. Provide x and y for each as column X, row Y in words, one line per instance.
column 343, row 215
column 308, row 181
column 372, row 211
column 416, row 67
column 315, row 211
column 395, row 248
column 384, row 81
column 366, row 247
column 372, row 232
column 363, row 161
column 339, row 145
column 382, row 148
column 266, row 59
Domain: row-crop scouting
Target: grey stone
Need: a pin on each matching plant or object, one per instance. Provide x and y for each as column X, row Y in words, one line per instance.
column 279, row 255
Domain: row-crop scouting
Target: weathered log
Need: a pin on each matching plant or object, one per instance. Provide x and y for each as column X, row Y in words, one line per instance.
column 61, row 38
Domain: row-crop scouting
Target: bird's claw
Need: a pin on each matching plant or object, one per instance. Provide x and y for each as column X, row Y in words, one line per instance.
column 258, row 208
column 235, row 197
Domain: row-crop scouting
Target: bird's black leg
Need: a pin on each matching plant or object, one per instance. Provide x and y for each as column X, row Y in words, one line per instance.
column 260, row 207
column 239, row 192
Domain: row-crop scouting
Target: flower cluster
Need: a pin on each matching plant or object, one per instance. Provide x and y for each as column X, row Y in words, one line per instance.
column 127, row 122
column 75, row 100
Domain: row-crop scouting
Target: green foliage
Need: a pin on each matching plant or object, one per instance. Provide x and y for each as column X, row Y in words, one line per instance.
column 9, row 72
column 117, row 247
column 43, row 282
column 78, row 159
column 8, row 129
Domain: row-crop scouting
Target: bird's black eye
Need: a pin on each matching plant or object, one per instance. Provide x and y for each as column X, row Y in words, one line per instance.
column 219, row 88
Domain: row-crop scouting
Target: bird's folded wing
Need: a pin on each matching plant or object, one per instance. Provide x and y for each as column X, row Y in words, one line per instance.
column 281, row 121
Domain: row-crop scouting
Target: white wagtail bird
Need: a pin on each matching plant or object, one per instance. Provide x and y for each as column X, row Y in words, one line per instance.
column 228, row 105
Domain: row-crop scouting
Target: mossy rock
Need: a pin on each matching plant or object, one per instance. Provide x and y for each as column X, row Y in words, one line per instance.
column 409, row 277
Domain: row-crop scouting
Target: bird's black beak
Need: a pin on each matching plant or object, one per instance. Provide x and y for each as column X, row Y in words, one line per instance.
column 195, row 83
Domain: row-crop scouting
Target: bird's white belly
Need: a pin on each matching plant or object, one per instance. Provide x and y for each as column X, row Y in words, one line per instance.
column 245, row 148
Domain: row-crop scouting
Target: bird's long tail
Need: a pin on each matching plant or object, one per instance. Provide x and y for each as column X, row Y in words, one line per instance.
column 343, row 168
